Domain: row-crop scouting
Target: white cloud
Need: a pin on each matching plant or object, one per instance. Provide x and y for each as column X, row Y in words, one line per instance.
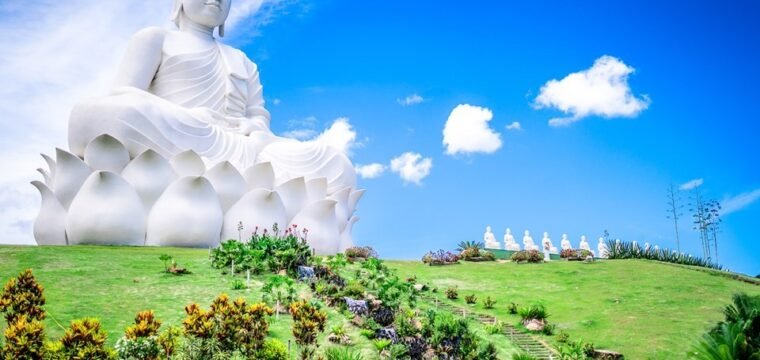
column 55, row 53
column 412, row 99
column 340, row 135
column 370, row 171
column 412, row 167
column 601, row 90
column 739, row 202
column 515, row 125
column 466, row 131
column 692, row 184
column 276, row 101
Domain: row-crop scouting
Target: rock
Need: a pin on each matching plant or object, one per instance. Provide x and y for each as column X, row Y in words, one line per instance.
column 534, row 324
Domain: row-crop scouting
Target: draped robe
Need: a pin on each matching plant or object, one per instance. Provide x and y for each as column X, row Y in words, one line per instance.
column 199, row 101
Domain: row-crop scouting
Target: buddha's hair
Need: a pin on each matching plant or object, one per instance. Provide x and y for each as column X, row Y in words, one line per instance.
column 177, row 11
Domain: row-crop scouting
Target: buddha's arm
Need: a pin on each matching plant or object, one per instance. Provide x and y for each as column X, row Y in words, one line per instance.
column 142, row 59
column 256, row 113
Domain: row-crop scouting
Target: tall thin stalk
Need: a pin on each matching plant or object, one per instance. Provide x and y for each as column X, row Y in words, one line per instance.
column 674, row 211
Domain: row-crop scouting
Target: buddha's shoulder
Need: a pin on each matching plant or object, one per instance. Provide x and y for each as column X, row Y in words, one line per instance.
column 154, row 35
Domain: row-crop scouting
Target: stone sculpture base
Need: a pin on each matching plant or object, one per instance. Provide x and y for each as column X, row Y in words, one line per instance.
column 110, row 198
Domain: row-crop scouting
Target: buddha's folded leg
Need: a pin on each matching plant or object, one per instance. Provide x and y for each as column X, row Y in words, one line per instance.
column 142, row 121
column 291, row 159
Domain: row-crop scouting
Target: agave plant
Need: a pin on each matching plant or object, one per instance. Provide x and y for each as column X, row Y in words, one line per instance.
column 470, row 245
column 631, row 250
column 728, row 343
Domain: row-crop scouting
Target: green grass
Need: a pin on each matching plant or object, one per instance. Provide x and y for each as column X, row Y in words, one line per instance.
column 646, row 310
column 643, row 309
column 114, row 283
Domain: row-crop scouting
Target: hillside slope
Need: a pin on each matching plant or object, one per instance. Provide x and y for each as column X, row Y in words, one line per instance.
column 643, row 309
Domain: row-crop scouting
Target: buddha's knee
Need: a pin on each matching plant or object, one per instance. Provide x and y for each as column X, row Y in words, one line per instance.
column 96, row 116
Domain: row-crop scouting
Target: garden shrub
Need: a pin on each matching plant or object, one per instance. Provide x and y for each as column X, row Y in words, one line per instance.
column 84, row 339
column 145, row 325
column 448, row 336
column 24, row 339
column 452, row 293
column 471, row 299
column 737, row 335
column 489, row 303
column 383, row 315
column 308, row 322
column 140, row 341
column 23, row 296
column 440, row 257
column 360, row 252
column 531, row 256
column 279, row 291
column 273, row 349
column 381, row 344
column 495, row 328
column 512, row 308
column 533, row 312
column 628, row 250
column 342, row 353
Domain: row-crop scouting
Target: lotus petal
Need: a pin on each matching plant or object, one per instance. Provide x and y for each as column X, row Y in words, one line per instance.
column 353, row 200
column 258, row 208
column 316, row 189
column 346, row 239
column 188, row 163
column 70, row 173
column 50, row 225
column 51, row 165
column 260, row 175
column 293, row 195
column 188, row 214
column 45, row 176
column 228, row 182
column 319, row 219
column 150, row 174
column 106, row 153
column 341, row 208
column 106, row 211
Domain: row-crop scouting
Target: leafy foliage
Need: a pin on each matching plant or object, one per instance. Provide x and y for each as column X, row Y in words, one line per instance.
column 440, row 257
column 145, row 325
column 531, row 256
column 489, row 303
column 23, row 296
column 738, row 336
column 276, row 251
column 628, row 250
column 536, row 311
column 471, row 299
column 361, row 252
column 452, row 293
column 342, row 353
column 24, row 339
column 84, row 339
column 308, row 322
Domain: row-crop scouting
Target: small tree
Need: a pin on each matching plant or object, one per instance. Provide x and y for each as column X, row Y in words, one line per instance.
column 23, row 296
column 165, row 258
column 308, row 322
column 674, row 211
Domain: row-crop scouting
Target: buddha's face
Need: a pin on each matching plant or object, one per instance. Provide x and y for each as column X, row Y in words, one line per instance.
column 210, row 13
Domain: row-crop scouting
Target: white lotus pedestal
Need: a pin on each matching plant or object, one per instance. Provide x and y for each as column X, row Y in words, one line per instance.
column 109, row 198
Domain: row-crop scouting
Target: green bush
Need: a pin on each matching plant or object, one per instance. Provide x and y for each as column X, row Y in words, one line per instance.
column 342, row 353
column 238, row 284
column 738, row 336
column 512, row 308
column 489, row 303
column 273, row 349
column 308, row 322
column 495, row 328
column 536, row 311
column 84, row 339
column 24, row 339
column 531, row 256
column 452, row 293
column 23, row 296
column 471, row 299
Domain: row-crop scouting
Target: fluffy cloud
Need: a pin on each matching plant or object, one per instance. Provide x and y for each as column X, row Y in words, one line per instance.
column 54, row 54
column 412, row 99
column 340, row 135
column 515, row 125
column 739, row 202
column 601, row 90
column 692, row 184
column 466, row 131
column 370, row 171
column 412, row 167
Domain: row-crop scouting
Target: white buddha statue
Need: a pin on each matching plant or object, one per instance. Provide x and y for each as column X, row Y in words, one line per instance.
column 584, row 244
column 182, row 89
column 509, row 241
column 547, row 242
column 490, row 240
column 602, row 249
column 565, row 243
column 528, row 243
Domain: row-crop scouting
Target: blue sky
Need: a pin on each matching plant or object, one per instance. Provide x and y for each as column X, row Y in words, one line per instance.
column 695, row 85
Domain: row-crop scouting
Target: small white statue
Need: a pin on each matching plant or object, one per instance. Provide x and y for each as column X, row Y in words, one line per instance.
column 585, row 246
column 509, row 241
column 546, row 241
column 547, row 246
column 528, row 243
column 604, row 252
column 647, row 247
column 565, row 243
column 490, row 240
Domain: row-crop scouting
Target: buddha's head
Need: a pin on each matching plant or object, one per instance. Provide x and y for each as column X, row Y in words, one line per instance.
column 209, row 13
column 488, row 229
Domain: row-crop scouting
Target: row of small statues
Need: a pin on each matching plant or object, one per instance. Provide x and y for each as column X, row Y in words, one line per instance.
column 548, row 247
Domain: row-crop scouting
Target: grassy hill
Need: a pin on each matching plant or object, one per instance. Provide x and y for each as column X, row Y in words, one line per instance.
column 642, row 309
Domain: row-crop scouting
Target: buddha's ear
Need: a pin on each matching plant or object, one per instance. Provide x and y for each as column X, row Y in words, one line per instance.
column 176, row 11
column 221, row 30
